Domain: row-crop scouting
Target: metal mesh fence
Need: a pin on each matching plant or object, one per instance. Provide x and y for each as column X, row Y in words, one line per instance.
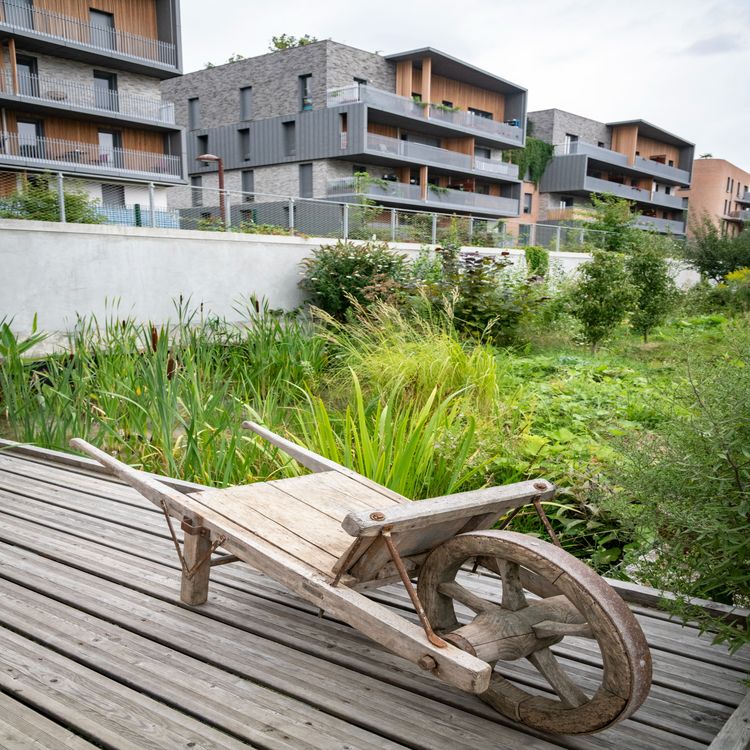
column 58, row 198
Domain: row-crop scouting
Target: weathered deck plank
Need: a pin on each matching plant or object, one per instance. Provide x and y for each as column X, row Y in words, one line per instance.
column 99, row 558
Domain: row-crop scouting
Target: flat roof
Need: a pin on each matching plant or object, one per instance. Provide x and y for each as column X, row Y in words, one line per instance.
column 653, row 131
column 452, row 67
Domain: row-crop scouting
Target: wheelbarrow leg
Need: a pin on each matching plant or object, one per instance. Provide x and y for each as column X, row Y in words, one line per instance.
column 196, row 552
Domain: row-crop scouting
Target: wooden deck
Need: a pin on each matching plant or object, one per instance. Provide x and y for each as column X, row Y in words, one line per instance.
column 96, row 649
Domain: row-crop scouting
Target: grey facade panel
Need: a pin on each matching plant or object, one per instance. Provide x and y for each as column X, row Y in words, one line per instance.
column 564, row 174
column 551, row 125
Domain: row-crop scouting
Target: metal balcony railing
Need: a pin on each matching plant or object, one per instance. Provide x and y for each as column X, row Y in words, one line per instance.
column 660, row 225
column 54, row 152
column 597, row 185
column 24, row 17
column 72, row 95
column 435, row 196
column 657, row 169
column 421, row 152
column 745, row 198
column 743, row 215
column 390, row 102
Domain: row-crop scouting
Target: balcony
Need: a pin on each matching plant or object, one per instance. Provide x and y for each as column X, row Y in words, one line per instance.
column 743, row 215
column 404, row 105
column 651, row 223
column 444, row 199
column 596, row 185
column 73, row 96
column 441, row 157
column 87, row 158
column 36, row 23
column 745, row 197
column 647, row 166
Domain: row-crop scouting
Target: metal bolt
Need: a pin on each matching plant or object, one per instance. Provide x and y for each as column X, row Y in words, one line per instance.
column 427, row 663
column 540, row 485
column 377, row 516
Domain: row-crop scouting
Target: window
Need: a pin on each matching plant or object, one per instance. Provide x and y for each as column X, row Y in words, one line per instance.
column 196, row 194
column 481, row 113
column 305, row 92
column 102, row 29
column 305, row 180
column 113, row 195
column 446, row 103
column 105, row 91
column 417, row 97
column 726, row 206
column 728, row 186
column 671, row 162
column 570, row 139
column 194, row 113
column 244, row 134
column 343, row 130
column 566, row 201
column 600, row 144
column 527, row 203
column 248, row 185
column 201, row 145
column 29, row 135
column 738, row 189
column 28, row 80
column 289, row 138
column 482, row 152
column 246, row 102
column 110, row 148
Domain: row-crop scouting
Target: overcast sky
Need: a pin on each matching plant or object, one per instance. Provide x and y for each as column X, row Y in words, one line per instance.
column 682, row 64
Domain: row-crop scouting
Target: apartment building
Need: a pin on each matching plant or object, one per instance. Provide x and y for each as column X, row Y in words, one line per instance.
column 720, row 191
column 631, row 159
column 80, row 96
column 418, row 130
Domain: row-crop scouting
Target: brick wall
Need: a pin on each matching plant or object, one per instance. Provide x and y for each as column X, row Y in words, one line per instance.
column 551, row 125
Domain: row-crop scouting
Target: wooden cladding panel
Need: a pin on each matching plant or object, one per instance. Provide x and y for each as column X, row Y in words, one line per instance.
column 624, row 140
column 461, row 145
column 648, row 147
column 404, row 78
column 143, row 140
column 380, row 129
column 132, row 16
column 464, row 95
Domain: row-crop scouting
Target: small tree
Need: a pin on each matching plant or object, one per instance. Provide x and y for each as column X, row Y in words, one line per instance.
column 713, row 254
column 37, row 202
column 653, row 287
column 601, row 296
column 614, row 216
column 287, row 41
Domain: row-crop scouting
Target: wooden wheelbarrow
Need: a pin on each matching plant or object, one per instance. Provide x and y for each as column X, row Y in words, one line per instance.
column 331, row 534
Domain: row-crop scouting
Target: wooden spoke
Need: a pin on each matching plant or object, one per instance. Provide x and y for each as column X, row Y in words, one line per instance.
column 569, row 693
column 513, row 596
column 460, row 594
column 550, row 628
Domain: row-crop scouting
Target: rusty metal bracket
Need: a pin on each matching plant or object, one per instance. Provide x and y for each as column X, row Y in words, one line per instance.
column 186, row 571
column 547, row 525
column 435, row 640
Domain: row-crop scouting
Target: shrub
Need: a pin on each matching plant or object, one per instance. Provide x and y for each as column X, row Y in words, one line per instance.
column 36, row 201
column 346, row 271
column 654, row 290
column 601, row 296
column 715, row 255
column 613, row 218
column 686, row 491
column 537, row 260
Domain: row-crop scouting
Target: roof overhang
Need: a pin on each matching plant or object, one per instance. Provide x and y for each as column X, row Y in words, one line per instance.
column 650, row 130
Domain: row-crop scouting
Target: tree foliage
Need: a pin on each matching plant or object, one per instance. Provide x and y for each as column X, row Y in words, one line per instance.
column 714, row 255
column 601, row 296
column 36, row 201
column 287, row 41
column 614, row 217
column 532, row 160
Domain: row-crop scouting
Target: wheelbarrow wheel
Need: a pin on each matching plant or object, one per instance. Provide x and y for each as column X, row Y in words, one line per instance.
column 575, row 602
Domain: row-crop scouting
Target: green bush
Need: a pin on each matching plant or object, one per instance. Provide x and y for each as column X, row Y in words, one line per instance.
column 601, row 296
column 338, row 274
column 537, row 260
column 715, row 255
column 686, row 490
column 35, row 201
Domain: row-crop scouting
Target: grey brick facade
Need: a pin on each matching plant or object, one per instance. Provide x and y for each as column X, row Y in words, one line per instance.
column 551, row 125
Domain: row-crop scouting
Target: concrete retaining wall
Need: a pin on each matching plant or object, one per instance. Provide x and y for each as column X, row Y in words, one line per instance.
column 61, row 271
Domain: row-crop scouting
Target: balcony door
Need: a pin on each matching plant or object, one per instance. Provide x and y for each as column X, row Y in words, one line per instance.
column 19, row 13
column 110, row 149
column 30, row 143
column 102, row 29
column 105, row 91
column 28, row 79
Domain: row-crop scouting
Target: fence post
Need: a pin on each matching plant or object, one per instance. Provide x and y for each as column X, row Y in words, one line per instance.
column 434, row 229
column 471, row 228
column 532, row 235
column 291, row 214
column 227, row 213
column 393, row 224
column 557, row 239
column 61, row 196
column 151, row 205
column 345, row 226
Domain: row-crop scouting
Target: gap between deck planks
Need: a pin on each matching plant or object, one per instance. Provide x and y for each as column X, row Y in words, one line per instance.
column 93, row 486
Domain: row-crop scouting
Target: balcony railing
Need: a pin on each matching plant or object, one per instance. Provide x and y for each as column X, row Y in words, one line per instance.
column 390, row 102
column 24, row 17
column 449, row 199
column 651, row 167
column 596, row 185
column 74, row 95
column 745, row 197
column 421, row 152
column 54, row 152
column 743, row 215
column 660, row 225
